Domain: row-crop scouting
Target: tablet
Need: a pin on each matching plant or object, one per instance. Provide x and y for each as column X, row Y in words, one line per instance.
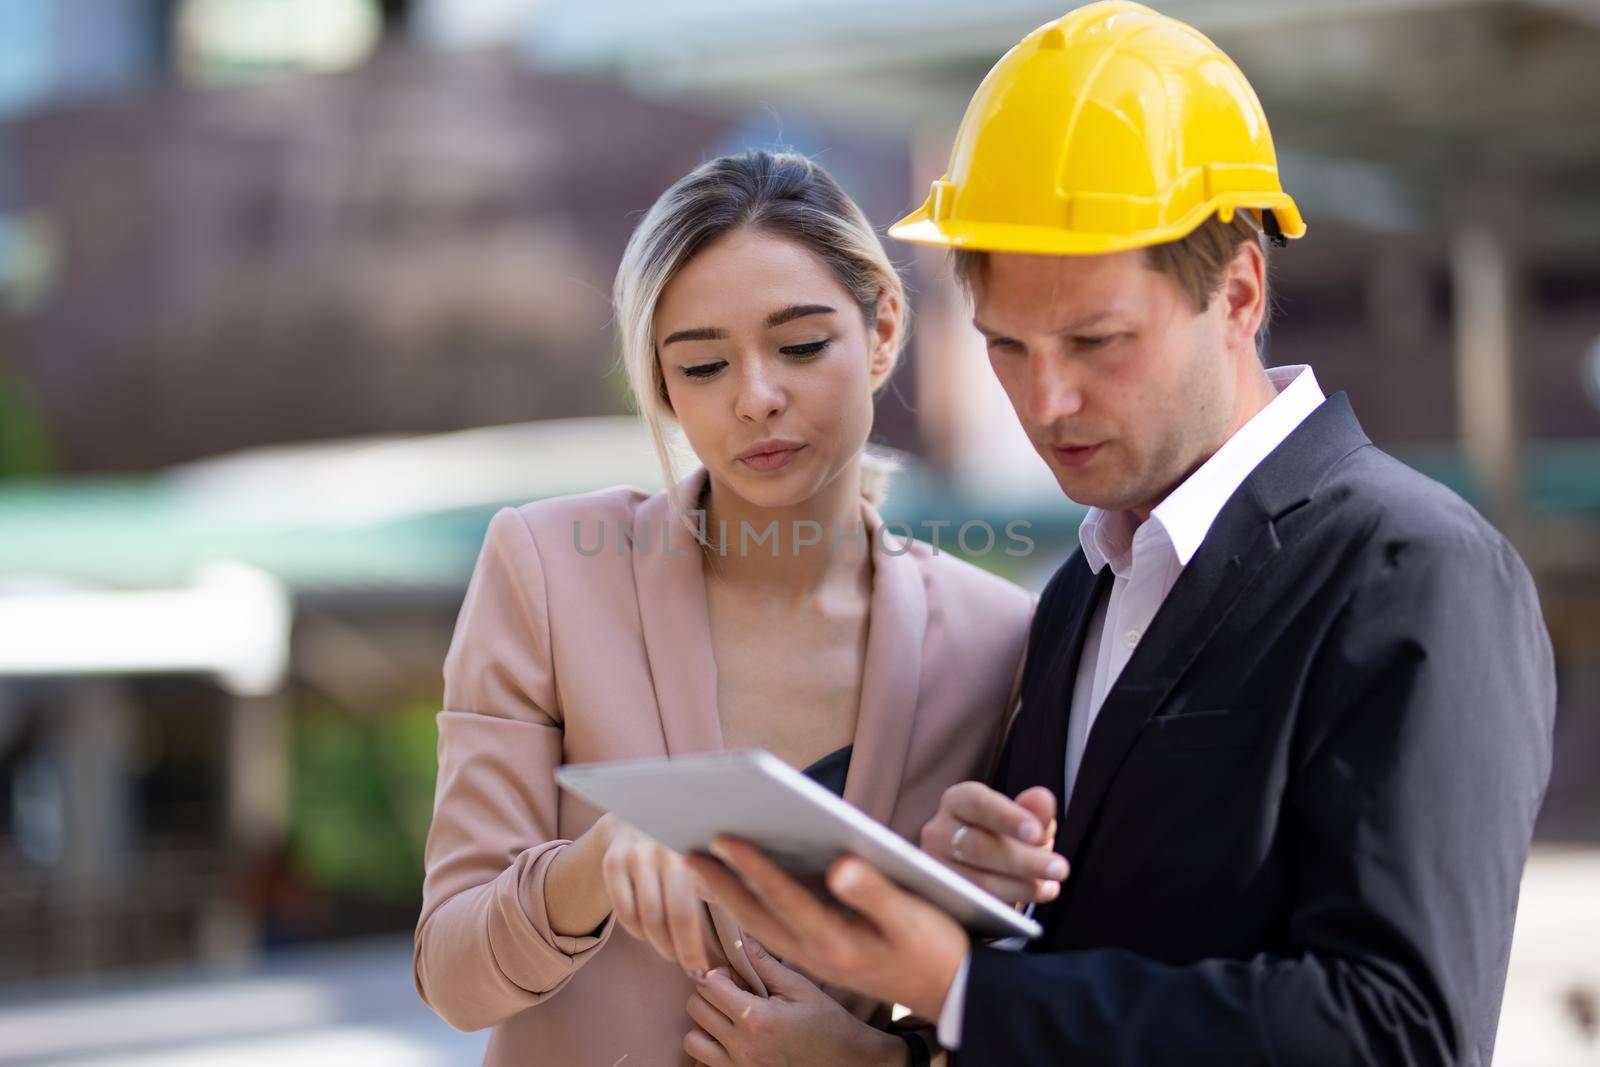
column 685, row 802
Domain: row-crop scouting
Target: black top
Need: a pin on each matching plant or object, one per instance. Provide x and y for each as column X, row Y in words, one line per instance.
column 1303, row 811
column 830, row 770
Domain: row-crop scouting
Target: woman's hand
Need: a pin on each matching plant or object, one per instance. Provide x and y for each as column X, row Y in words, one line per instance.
column 796, row 1025
column 655, row 896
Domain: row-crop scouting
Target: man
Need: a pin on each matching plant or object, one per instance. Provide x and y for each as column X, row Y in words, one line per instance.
column 1298, row 698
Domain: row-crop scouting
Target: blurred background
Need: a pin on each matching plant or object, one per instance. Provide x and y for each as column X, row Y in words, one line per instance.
column 294, row 294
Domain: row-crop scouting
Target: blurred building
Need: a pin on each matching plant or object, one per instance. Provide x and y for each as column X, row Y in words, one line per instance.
column 424, row 244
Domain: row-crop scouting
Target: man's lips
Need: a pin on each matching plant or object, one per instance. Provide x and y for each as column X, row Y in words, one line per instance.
column 1076, row 455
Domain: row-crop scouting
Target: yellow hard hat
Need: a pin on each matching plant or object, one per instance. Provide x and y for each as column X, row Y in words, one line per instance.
column 1112, row 127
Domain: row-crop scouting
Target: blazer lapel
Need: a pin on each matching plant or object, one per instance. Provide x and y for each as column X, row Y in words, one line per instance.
column 1242, row 540
column 676, row 621
column 1199, row 603
column 1042, row 724
column 891, row 676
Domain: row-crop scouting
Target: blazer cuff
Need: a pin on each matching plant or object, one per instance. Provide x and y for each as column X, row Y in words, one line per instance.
column 525, row 948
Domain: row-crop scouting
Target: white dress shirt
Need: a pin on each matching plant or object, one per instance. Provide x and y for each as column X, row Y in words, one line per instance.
column 1146, row 559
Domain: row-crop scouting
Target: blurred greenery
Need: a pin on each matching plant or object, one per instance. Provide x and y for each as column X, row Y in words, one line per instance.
column 362, row 796
column 25, row 448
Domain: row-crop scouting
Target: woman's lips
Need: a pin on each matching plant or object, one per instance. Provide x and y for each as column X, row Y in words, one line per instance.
column 1075, row 456
column 771, row 461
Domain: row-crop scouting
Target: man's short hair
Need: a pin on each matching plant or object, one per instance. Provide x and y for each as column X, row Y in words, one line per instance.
column 1194, row 262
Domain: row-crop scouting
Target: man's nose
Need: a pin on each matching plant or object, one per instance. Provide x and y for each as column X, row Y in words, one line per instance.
column 1054, row 391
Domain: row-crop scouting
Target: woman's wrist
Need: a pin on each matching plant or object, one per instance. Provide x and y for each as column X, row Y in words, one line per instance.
column 600, row 835
column 575, row 897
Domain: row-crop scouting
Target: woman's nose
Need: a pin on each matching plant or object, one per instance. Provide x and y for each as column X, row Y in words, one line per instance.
column 760, row 394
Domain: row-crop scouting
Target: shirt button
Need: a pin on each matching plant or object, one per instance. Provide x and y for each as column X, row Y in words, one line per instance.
column 1132, row 638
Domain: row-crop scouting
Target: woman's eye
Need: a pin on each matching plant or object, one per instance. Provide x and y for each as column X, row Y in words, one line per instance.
column 703, row 370
column 804, row 351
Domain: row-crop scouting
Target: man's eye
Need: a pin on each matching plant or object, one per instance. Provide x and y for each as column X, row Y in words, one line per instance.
column 803, row 351
column 703, row 370
column 1096, row 341
column 1001, row 342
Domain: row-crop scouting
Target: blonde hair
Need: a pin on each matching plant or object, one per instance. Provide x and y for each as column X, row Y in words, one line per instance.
column 781, row 193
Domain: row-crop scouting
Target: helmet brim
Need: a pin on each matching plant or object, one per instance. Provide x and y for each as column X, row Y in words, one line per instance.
column 920, row 227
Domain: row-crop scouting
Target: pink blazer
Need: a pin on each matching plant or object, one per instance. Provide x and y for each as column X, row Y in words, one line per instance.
column 564, row 655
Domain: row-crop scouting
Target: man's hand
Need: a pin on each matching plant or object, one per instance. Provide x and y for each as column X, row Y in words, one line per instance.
column 898, row 948
column 1003, row 845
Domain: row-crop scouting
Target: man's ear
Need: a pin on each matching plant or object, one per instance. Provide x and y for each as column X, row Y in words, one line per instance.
column 1243, row 293
column 888, row 322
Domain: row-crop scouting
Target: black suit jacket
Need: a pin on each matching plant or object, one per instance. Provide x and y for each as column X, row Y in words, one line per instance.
column 1301, row 819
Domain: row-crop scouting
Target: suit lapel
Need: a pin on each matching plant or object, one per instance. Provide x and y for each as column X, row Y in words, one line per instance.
column 1242, row 540
column 1200, row 602
column 891, row 675
column 676, row 622
column 1241, row 543
column 1039, row 737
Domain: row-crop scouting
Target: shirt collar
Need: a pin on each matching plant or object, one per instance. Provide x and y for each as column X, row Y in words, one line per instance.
column 1107, row 537
column 1187, row 513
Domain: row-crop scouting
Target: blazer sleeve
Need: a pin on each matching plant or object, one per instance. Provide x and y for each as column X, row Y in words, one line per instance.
column 1417, row 769
column 483, row 948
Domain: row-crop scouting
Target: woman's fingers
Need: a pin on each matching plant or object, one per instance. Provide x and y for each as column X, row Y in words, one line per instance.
column 619, row 886
column 684, row 912
column 709, row 1019
column 646, row 879
column 719, row 990
column 656, row 900
column 703, row 1048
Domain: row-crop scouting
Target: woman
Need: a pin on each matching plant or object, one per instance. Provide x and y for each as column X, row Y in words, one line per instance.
column 757, row 602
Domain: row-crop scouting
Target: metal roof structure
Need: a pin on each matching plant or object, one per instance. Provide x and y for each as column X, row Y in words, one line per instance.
column 1390, row 114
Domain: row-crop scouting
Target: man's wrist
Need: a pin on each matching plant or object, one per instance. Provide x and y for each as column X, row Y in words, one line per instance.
column 932, row 1003
column 914, row 1050
column 890, row 1050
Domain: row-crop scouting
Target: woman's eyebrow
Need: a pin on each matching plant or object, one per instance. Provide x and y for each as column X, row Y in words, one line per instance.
column 796, row 311
column 777, row 318
column 704, row 333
